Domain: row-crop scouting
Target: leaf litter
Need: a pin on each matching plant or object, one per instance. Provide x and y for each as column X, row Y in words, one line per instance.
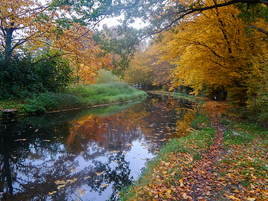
column 224, row 171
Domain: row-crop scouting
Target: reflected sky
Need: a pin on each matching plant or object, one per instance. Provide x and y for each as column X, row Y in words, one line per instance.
column 84, row 154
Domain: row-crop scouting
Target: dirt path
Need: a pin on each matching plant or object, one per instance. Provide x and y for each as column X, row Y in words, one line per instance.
column 201, row 183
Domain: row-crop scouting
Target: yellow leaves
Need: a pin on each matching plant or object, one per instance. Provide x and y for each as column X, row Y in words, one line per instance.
column 181, row 183
column 233, row 198
column 60, row 186
column 51, row 193
column 214, row 54
column 63, row 183
column 83, row 52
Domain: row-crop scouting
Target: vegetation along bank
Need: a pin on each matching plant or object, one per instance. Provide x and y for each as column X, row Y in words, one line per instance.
column 73, row 97
column 223, row 158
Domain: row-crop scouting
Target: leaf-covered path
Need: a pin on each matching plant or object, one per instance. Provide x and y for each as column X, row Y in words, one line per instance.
column 201, row 183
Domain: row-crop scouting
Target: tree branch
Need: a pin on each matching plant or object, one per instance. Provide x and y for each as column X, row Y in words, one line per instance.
column 259, row 29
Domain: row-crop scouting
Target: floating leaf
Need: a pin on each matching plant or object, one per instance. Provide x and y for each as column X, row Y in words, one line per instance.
column 51, row 193
column 20, row 140
column 100, row 173
column 60, row 186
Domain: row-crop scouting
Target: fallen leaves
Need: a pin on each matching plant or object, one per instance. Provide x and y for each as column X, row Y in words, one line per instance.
column 239, row 172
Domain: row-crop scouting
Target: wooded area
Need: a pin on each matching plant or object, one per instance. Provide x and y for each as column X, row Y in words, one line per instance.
column 216, row 48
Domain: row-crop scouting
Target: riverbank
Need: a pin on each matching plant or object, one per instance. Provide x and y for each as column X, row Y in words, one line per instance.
column 75, row 97
column 223, row 158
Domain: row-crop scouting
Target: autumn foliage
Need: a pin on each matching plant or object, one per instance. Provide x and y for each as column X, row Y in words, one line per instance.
column 40, row 39
column 216, row 53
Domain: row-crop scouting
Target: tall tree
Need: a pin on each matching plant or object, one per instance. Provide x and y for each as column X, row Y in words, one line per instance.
column 216, row 55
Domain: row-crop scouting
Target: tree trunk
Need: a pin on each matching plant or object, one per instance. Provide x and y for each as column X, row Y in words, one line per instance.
column 8, row 42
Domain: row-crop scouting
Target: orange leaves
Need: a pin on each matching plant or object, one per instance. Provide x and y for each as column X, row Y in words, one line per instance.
column 215, row 109
column 238, row 172
column 80, row 48
column 32, row 23
column 163, row 182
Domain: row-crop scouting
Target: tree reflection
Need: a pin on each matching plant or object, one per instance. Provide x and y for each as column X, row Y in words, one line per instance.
column 20, row 142
column 55, row 157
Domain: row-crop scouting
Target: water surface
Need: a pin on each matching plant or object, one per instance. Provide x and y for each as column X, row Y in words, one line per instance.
column 84, row 154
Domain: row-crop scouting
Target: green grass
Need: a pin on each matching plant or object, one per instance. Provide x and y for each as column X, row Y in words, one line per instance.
column 76, row 97
column 245, row 158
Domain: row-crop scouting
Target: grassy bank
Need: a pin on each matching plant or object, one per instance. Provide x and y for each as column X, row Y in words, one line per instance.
column 239, row 173
column 243, row 167
column 75, row 97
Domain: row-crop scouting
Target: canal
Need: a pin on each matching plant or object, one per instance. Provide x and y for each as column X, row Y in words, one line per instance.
column 87, row 154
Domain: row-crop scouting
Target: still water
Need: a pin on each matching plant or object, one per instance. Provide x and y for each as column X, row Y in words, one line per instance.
column 84, row 154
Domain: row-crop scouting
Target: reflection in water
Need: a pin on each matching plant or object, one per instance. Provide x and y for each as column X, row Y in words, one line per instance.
column 183, row 124
column 83, row 155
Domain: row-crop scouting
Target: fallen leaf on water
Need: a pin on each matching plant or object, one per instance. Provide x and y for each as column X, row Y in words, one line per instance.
column 100, row 173
column 51, row 193
column 60, row 186
column 20, row 140
column 60, row 182
column 72, row 170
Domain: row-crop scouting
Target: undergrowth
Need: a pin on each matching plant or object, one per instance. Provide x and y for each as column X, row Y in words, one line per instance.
column 75, row 97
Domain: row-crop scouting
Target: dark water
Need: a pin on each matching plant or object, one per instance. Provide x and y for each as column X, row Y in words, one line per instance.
column 84, row 154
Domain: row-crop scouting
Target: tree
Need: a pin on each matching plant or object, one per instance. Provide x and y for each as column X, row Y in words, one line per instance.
column 147, row 69
column 35, row 36
column 216, row 55
column 138, row 71
column 28, row 21
column 84, row 54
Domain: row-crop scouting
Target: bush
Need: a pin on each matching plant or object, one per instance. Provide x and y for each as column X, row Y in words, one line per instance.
column 22, row 76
